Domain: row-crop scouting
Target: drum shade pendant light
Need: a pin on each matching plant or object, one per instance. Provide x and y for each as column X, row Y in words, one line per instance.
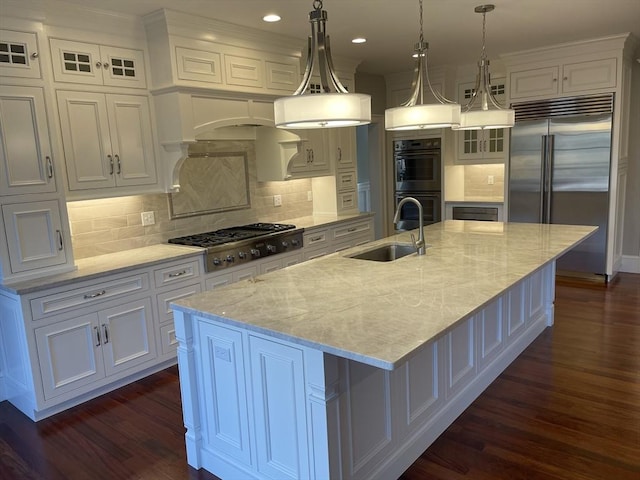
column 491, row 114
column 334, row 106
column 414, row 114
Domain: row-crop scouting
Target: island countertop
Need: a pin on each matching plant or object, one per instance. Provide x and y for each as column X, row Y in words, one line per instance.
column 379, row 313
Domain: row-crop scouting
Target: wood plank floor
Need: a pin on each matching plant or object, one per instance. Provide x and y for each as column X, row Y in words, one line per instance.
column 567, row 408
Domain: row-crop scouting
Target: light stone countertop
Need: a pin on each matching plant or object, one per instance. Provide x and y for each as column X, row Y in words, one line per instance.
column 379, row 313
column 325, row 220
column 474, row 200
column 101, row 265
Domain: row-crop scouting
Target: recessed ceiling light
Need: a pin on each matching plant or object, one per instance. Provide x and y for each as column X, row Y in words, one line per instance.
column 359, row 40
column 272, row 17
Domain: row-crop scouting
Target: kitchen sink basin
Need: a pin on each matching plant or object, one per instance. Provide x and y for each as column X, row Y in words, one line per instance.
column 386, row 253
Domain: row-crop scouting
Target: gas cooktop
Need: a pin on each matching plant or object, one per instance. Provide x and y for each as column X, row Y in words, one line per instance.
column 236, row 245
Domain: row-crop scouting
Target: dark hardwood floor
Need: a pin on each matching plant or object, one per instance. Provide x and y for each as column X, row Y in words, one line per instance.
column 567, row 408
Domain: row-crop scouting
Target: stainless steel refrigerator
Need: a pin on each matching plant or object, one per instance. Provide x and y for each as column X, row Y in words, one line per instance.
column 559, row 168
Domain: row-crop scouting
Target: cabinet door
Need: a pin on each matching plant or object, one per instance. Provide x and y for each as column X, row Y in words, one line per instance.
column 69, row 355
column 34, row 235
column 87, row 143
column 131, row 139
column 534, row 83
column 76, row 62
column 342, row 147
column 19, row 54
column 585, row 76
column 25, row 148
column 90, row 64
column 127, row 335
column 319, row 146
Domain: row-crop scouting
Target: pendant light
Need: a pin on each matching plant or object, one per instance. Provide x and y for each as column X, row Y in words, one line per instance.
column 334, row 106
column 491, row 114
column 414, row 114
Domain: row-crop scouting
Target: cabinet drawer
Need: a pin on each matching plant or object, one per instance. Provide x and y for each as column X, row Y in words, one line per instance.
column 346, row 181
column 347, row 200
column 352, row 230
column 177, row 273
column 165, row 313
column 87, row 295
column 317, row 237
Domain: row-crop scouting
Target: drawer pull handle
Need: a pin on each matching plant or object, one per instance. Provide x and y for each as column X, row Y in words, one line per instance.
column 60, row 243
column 98, row 341
column 177, row 274
column 94, row 295
column 106, row 333
column 49, row 167
column 315, row 239
column 352, row 229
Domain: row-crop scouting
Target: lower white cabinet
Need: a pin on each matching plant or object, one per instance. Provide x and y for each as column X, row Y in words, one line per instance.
column 75, row 353
column 34, row 235
column 320, row 241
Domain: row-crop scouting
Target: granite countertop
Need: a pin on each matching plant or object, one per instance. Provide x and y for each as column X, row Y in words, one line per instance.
column 378, row 313
column 111, row 263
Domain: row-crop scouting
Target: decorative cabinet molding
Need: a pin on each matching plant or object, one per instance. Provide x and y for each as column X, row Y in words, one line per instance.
column 34, row 235
column 25, row 146
column 91, row 64
column 107, row 140
column 19, row 55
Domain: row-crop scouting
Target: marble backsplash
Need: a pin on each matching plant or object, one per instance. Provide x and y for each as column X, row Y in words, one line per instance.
column 476, row 180
column 114, row 224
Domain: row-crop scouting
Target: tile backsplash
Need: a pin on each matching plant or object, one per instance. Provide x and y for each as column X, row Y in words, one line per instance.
column 476, row 184
column 115, row 224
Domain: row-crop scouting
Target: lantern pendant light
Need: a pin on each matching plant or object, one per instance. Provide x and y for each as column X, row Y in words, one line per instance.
column 414, row 114
column 334, row 106
column 491, row 114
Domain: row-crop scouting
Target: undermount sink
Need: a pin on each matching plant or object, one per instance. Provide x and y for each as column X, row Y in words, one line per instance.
column 386, row 253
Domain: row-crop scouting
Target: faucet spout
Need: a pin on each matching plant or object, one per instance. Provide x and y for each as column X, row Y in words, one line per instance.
column 420, row 243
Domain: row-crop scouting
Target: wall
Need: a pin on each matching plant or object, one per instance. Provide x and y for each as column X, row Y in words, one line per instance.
column 375, row 86
column 114, row 224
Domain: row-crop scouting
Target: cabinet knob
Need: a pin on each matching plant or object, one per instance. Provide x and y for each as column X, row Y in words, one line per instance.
column 105, row 65
column 565, row 78
column 34, row 55
column 98, row 64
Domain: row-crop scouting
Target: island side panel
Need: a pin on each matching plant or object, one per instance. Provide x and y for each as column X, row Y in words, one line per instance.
column 433, row 387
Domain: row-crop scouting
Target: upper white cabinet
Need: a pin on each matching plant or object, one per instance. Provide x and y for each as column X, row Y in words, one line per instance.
column 107, row 140
column 25, row 147
column 238, row 59
column 313, row 159
column 34, row 235
column 90, row 64
column 481, row 146
column 562, row 79
column 342, row 147
column 19, row 56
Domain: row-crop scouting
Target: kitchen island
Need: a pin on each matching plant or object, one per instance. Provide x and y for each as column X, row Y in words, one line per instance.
column 347, row 368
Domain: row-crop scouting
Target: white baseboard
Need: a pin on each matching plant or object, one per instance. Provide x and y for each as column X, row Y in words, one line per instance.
column 630, row 264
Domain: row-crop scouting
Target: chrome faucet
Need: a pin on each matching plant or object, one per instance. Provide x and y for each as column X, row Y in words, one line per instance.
column 419, row 244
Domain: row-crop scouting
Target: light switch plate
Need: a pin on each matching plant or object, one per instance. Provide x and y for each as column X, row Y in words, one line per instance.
column 277, row 200
column 148, row 218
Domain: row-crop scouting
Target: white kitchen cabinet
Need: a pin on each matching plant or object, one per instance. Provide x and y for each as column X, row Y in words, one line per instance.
column 569, row 77
column 107, row 140
column 342, row 147
column 34, row 235
column 91, row 64
column 25, row 146
column 19, row 55
column 324, row 240
column 313, row 159
column 461, row 364
column 75, row 353
column 482, row 146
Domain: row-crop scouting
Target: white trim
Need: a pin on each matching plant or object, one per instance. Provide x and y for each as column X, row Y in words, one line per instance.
column 630, row 264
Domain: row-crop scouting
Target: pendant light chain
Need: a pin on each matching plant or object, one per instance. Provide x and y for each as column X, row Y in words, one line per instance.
column 484, row 31
column 421, row 23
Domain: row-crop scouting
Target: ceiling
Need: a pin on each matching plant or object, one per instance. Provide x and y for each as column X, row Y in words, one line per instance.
column 452, row 28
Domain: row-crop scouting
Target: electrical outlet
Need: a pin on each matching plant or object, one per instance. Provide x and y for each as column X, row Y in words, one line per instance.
column 490, row 179
column 148, row 218
column 309, row 196
column 277, row 200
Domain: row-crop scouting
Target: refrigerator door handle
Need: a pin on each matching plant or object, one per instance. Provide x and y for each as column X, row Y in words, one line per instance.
column 543, row 166
column 549, row 175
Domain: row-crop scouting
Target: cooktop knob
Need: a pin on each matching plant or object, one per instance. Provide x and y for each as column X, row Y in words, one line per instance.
column 285, row 244
column 242, row 255
column 255, row 252
column 271, row 248
column 295, row 242
column 230, row 258
column 216, row 261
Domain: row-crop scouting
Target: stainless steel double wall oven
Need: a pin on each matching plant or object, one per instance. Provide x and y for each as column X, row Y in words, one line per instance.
column 418, row 174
